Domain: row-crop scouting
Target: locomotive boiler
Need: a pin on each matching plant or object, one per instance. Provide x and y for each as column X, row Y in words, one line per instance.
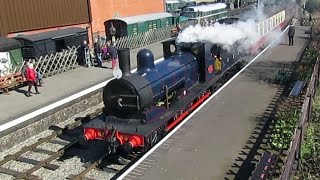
column 135, row 94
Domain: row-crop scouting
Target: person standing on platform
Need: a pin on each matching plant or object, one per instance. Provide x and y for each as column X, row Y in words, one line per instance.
column 97, row 52
column 104, row 51
column 85, row 56
column 291, row 33
column 31, row 77
column 24, row 70
column 113, row 54
column 112, row 33
column 178, row 28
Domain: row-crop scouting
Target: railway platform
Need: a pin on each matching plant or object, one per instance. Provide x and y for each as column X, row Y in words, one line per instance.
column 18, row 108
column 213, row 144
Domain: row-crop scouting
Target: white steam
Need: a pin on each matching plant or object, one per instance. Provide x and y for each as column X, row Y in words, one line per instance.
column 240, row 35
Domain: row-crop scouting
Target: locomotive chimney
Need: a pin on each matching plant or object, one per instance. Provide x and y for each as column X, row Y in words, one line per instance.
column 124, row 61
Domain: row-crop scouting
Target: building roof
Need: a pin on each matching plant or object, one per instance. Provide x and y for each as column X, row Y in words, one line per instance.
column 200, row 1
column 56, row 34
column 7, row 44
column 172, row 1
column 143, row 18
column 206, row 8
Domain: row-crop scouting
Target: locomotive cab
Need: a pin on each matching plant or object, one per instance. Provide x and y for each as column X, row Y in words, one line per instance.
column 202, row 52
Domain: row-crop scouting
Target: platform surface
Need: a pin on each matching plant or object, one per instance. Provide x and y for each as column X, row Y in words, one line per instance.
column 60, row 86
column 207, row 146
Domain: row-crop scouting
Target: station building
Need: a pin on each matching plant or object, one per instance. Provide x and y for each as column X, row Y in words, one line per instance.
column 20, row 18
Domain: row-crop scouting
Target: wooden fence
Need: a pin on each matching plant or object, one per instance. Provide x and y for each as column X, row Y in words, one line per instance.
column 291, row 162
column 146, row 38
column 52, row 64
column 306, row 22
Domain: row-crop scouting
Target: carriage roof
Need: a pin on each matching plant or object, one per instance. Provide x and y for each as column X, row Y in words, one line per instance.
column 172, row 1
column 208, row 7
column 143, row 18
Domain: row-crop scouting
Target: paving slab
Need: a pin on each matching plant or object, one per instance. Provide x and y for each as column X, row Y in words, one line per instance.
column 61, row 86
column 206, row 146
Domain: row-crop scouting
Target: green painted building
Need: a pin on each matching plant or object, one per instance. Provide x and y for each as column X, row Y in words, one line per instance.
column 14, row 48
column 134, row 25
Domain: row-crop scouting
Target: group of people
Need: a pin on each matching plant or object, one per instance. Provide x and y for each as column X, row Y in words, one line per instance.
column 102, row 52
column 106, row 52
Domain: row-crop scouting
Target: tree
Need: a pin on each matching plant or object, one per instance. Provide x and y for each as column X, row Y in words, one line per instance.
column 313, row 5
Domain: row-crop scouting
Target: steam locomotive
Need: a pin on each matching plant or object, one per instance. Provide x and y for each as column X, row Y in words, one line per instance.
column 141, row 107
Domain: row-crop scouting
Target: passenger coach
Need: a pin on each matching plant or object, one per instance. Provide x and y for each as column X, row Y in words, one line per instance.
column 203, row 13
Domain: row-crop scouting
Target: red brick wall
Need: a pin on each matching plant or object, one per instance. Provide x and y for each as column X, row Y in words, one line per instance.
column 103, row 10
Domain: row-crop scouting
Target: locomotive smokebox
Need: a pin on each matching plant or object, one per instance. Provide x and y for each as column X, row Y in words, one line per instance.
column 124, row 61
column 145, row 61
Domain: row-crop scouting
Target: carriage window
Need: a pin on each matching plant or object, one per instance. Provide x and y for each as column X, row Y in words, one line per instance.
column 134, row 31
column 273, row 21
column 266, row 26
column 259, row 29
column 60, row 45
column 269, row 24
column 215, row 49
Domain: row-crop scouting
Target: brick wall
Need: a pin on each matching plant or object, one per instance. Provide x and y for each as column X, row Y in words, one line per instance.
column 103, row 10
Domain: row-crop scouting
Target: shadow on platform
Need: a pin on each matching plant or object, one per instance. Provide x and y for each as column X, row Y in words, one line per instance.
column 258, row 142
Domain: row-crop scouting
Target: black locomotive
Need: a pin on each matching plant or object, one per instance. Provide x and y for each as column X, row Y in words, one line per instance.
column 141, row 107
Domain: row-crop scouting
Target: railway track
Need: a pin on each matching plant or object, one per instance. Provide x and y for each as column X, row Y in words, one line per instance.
column 60, row 151
column 60, row 156
column 46, row 163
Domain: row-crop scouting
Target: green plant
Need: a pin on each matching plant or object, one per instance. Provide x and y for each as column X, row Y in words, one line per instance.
column 310, row 150
column 311, row 55
column 313, row 5
column 310, row 153
column 306, row 67
column 284, row 128
column 316, row 107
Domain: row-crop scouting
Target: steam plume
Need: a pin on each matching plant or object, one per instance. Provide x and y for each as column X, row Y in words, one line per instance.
column 240, row 35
